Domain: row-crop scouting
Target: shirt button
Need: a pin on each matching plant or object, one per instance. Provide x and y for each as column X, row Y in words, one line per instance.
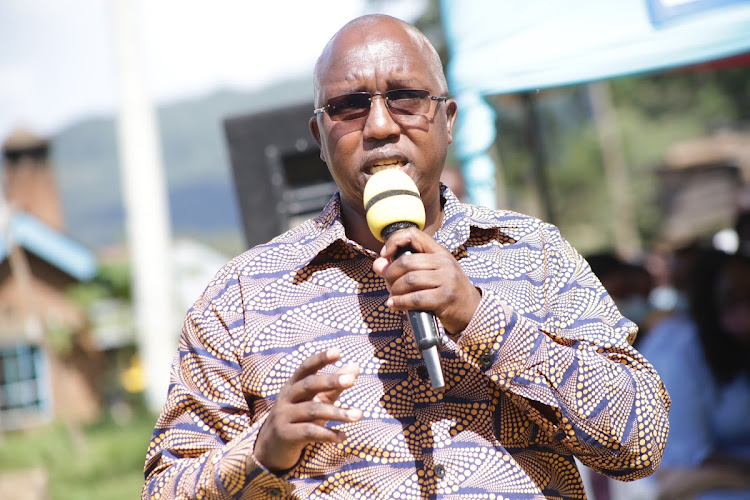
column 486, row 360
column 274, row 492
column 422, row 372
column 439, row 470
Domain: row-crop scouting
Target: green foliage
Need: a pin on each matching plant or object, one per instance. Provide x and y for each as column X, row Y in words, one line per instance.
column 710, row 97
column 652, row 113
column 111, row 281
column 116, row 279
column 60, row 337
column 110, row 465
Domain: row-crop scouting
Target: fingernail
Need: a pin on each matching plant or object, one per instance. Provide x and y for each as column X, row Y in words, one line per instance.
column 353, row 413
column 382, row 250
column 332, row 352
column 346, row 379
column 389, row 303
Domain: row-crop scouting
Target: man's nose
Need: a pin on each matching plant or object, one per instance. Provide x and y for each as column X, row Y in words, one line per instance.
column 380, row 124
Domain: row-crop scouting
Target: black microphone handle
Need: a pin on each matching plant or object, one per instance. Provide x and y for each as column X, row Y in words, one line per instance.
column 423, row 323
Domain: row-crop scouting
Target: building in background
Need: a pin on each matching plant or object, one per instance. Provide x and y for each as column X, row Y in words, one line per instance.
column 38, row 261
column 704, row 184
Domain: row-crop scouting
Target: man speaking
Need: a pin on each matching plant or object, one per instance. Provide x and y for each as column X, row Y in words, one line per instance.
column 298, row 373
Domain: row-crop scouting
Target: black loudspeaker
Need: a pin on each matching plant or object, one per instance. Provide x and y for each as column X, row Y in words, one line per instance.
column 279, row 176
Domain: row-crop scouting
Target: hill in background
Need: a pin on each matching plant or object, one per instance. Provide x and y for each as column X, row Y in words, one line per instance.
column 202, row 197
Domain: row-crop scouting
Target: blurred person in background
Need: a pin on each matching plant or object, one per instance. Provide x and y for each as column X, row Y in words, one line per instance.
column 703, row 357
column 742, row 228
column 628, row 284
column 453, row 178
column 672, row 270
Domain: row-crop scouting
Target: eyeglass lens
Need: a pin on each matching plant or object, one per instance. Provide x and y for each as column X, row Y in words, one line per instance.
column 399, row 101
column 34, row 153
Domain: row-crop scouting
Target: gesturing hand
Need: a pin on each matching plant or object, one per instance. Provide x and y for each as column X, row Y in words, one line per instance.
column 302, row 408
column 430, row 279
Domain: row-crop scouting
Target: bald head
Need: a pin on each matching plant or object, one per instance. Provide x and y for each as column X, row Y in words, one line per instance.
column 380, row 56
column 378, row 28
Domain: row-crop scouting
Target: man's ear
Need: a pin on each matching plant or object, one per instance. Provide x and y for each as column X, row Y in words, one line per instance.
column 451, row 110
column 315, row 131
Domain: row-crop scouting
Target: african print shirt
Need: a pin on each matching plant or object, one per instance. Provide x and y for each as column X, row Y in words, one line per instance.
column 544, row 371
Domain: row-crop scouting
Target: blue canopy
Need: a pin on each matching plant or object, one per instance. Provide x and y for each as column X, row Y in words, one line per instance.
column 502, row 46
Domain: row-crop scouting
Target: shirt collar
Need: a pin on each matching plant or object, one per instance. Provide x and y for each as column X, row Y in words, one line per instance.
column 458, row 220
column 456, row 227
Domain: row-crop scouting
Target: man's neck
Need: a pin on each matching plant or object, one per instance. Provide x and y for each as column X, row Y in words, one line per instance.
column 356, row 228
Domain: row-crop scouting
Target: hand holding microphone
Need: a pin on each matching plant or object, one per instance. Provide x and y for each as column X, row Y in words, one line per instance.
column 392, row 203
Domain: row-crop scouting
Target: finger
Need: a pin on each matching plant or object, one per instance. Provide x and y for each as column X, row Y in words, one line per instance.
column 349, row 368
column 421, row 300
column 380, row 265
column 454, row 307
column 352, row 368
column 314, row 363
column 416, row 280
column 419, row 241
column 419, row 263
column 318, row 411
column 309, row 432
column 412, row 273
column 404, row 265
column 312, row 385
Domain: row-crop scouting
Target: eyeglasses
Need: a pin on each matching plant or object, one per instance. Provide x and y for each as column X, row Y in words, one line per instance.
column 35, row 153
column 400, row 102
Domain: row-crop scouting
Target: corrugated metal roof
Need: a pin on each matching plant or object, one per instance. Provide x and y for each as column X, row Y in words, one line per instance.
column 54, row 247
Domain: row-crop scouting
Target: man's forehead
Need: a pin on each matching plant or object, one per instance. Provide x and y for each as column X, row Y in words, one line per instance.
column 371, row 40
column 373, row 27
column 378, row 55
column 380, row 47
column 351, row 59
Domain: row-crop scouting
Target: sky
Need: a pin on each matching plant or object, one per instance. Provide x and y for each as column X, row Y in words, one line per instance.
column 57, row 57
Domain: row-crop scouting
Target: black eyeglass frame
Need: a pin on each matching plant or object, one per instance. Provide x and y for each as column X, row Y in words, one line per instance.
column 362, row 112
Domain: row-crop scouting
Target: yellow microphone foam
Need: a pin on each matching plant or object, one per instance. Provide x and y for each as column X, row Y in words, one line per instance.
column 391, row 196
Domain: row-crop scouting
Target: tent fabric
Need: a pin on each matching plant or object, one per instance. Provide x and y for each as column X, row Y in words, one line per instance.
column 517, row 45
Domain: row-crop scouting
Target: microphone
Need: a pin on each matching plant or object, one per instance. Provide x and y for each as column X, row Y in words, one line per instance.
column 392, row 203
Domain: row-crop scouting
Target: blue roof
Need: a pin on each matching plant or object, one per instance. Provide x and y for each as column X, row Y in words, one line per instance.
column 50, row 245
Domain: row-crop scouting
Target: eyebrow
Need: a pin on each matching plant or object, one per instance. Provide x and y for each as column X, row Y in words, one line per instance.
column 398, row 83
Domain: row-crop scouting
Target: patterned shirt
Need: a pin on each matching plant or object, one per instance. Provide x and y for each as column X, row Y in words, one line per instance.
column 544, row 371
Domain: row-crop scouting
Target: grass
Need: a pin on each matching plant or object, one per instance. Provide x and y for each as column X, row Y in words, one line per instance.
column 108, row 465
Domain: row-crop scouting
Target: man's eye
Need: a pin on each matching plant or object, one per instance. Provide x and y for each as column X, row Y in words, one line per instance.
column 405, row 95
column 356, row 104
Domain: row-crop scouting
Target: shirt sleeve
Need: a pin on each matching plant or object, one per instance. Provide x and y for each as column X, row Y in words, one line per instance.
column 202, row 445
column 571, row 367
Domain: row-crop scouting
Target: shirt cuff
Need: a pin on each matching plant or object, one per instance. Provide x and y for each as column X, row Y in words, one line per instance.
column 242, row 476
column 488, row 342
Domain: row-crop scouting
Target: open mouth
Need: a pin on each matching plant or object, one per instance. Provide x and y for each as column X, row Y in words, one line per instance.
column 386, row 164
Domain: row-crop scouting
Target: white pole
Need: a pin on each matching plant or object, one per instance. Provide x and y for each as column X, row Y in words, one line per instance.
column 147, row 215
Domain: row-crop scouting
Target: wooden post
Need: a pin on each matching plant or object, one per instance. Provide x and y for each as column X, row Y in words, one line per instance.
column 536, row 144
column 626, row 237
